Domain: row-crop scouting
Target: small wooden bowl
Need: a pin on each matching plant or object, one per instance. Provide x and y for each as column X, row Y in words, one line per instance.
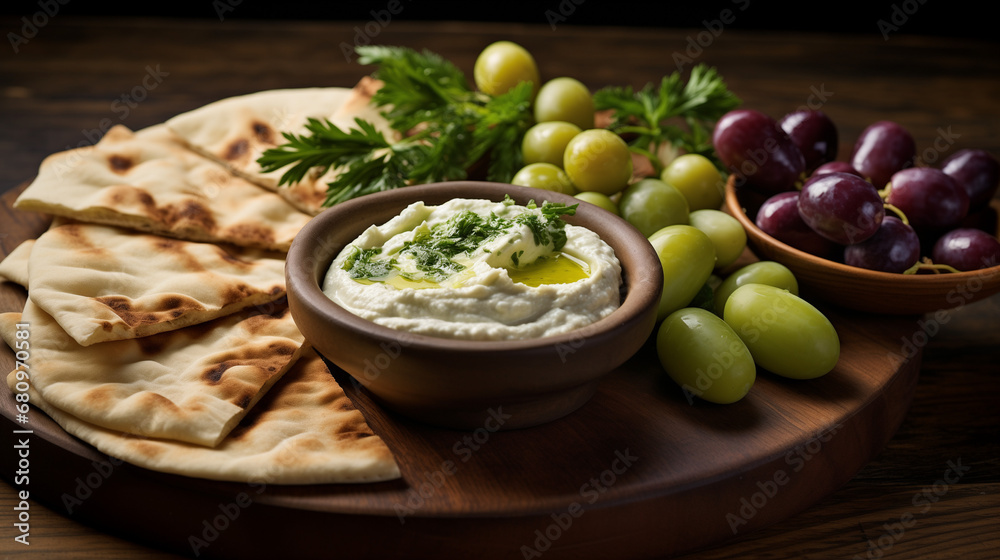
column 470, row 384
column 858, row 288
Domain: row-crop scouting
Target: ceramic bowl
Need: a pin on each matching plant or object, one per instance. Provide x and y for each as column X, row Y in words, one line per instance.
column 857, row 288
column 470, row 384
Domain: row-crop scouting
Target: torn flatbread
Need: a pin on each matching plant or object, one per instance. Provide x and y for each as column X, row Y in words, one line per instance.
column 103, row 283
column 237, row 130
column 304, row 431
column 150, row 182
column 14, row 267
column 193, row 384
column 8, row 327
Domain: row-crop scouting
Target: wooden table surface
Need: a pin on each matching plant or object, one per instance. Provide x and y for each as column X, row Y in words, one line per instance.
column 74, row 78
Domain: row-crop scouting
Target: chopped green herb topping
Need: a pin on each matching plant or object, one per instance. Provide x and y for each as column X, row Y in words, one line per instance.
column 433, row 250
column 362, row 264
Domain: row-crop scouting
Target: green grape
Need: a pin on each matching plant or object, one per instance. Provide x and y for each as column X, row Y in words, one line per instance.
column 598, row 160
column 725, row 231
column 687, row 257
column 651, row 205
column 698, row 179
column 703, row 355
column 503, row 65
column 761, row 272
column 546, row 142
column 565, row 99
column 785, row 334
column 543, row 176
column 598, row 199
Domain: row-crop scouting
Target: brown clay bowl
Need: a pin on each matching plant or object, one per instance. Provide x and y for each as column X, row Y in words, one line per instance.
column 857, row 288
column 470, row 384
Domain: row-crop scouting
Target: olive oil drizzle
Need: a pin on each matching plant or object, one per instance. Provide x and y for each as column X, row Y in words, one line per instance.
column 560, row 268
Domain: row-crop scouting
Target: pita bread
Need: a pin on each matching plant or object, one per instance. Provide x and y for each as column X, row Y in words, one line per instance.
column 14, row 267
column 8, row 327
column 102, row 283
column 304, row 431
column 192, row 384
column 236, row 131
column 358, row 105
column 150, row 182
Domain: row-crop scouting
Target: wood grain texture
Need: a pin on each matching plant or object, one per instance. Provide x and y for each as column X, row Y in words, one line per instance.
column 59, row 88
column 633, row 458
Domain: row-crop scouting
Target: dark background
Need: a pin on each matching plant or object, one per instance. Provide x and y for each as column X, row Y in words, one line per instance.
column 918, row 17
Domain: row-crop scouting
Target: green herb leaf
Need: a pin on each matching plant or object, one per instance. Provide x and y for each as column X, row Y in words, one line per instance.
column 326, row 145
column 362, row 263
column 654, row 114
column 417, row 86
column 446, row 128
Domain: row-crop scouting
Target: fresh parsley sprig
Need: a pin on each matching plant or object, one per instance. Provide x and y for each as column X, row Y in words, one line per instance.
column 417, row 86
column 653, row 115
column 423, row 91
column 445, row 127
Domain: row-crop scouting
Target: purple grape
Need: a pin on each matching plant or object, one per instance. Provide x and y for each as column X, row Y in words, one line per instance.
column 836, row 167
column 967, row 249
column 895, row 247
column 841, row 207
column 757, row 151
column 779, row 217
column 977, row 172
column 883, row 149
column 814, row 134
column 928, row 197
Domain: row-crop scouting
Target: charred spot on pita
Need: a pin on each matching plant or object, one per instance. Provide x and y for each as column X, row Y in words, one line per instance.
column 74, row 235
column 243, row 401
column 145, row 198
column 122, row 195
column 282, row 349
column 235, row 292
column 118, row 304
column 214, row 373
column 253, row 233
column 153, row 345
column 344, row 404
column 193, row 210
column 263, row 132
column 120, row 164
column 190, row 211
column 237, row 149
column 228, row 257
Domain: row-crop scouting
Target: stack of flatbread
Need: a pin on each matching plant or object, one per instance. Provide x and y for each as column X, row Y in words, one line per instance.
column 158, row 324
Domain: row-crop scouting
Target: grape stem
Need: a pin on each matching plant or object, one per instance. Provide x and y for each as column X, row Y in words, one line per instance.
column 648, row 153
column 884, row 195
column 926, row 264
column 895, row 210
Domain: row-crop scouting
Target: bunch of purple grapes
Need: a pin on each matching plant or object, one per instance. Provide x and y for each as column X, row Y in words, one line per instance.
column 838, row 209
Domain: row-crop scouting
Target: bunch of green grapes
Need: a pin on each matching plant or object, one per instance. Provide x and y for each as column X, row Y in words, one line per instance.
column 715, row 328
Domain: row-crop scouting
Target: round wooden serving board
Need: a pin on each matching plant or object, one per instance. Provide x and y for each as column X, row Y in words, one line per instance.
column 637, row 472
